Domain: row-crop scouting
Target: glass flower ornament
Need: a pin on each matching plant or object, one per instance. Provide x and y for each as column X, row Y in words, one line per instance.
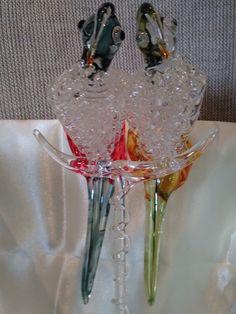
column 118, row 138
column 177, row 90
column 85, row 99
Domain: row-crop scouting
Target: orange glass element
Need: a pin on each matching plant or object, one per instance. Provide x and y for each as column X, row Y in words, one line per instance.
column 136, row 152
column 164, row 52
column 135, row 149
column 172, row 182
column 89, row 60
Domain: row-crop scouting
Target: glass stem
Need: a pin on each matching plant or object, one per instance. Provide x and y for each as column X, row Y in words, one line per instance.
column 121, row 243
column 155, row 211
column 100, row 191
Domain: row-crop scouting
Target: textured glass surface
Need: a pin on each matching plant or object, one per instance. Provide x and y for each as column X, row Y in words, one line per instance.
column 162, row 103
column 89, row 105
column 128, row 128
column 166, row 100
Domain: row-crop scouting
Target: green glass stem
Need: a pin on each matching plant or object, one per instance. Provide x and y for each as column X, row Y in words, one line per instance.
column 155, row 211
column 100, row 191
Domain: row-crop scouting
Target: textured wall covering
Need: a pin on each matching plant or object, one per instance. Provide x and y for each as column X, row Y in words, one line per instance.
column 39, row 39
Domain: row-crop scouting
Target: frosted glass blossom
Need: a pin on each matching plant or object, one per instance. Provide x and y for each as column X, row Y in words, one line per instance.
column 90, row 106
column 165, row 101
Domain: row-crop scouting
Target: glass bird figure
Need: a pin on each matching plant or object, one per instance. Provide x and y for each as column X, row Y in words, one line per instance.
column 80, row 94
column 157, row 41
column 138, row 135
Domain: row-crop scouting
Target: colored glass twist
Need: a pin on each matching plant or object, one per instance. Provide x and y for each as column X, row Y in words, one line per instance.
column 121, row 244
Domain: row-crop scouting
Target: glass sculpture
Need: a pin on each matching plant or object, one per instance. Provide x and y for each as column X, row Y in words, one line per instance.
column 82, row 98
column 174, row 115
column 124, row 129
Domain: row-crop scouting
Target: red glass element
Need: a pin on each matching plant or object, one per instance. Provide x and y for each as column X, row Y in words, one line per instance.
column 119, row 152
column 82, row 160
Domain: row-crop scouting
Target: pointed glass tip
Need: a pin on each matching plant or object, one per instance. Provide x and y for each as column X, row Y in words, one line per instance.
column 86, row 298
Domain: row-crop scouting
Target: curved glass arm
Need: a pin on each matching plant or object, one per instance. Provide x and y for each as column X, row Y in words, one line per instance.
column 137, row 169
column 160, row 168
column 61, row 158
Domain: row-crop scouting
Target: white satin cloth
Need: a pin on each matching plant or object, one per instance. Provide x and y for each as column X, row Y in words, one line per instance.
column 43, row 217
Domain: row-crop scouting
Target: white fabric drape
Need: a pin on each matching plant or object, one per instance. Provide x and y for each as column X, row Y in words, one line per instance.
column 43, row 219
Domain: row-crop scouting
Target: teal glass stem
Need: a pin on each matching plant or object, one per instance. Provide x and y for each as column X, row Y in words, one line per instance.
column 155, row 212
column 100, row 191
